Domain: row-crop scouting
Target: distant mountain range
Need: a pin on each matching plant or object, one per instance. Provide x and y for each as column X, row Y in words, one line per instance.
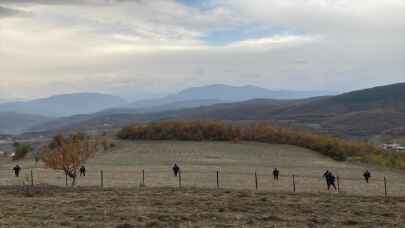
column 64, row 105
column 218, row 93
column 72, row 108
column 360, row 113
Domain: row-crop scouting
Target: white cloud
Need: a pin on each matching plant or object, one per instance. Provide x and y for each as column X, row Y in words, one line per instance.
column 140, row 47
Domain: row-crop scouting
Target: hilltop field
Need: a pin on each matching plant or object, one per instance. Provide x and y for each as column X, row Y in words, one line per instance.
column 161, row 203
column 236, row 162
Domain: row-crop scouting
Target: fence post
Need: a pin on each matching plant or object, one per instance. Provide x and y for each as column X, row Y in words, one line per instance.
column 293, row 179
column 217, row 179
column 179, row 178
column 143, row 178
column 338, row 183
column 32, row 178
column 385, row 186
column 66, row 180
column 256, row 182
column 101, row 179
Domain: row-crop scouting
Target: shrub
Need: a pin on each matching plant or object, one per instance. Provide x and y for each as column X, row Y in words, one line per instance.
column 21, row 150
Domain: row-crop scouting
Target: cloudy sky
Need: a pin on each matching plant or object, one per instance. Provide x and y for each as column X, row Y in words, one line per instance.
column 139, row 48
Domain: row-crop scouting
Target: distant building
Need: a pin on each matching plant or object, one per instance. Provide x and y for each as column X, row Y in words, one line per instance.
column 393, row 146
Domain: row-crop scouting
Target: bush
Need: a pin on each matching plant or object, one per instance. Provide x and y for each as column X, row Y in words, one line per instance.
column 21, row 150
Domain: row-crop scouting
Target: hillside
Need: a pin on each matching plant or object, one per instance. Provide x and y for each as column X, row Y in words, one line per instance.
column 64, row 105
column 15, row 123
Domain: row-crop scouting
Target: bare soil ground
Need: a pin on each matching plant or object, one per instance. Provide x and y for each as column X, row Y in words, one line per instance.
column 199, row 161
column 190, row 207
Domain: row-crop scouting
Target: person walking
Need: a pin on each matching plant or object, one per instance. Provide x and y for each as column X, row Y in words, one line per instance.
column 17, row 170
column 176, row 169
column 82, row 171
column 330, row 180
column 367, row 176
column 276, row 173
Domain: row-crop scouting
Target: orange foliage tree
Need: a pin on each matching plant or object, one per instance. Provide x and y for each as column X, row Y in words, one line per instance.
column 69, row 153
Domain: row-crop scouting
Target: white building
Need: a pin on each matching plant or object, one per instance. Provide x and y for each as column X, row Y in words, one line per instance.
column 393, row 146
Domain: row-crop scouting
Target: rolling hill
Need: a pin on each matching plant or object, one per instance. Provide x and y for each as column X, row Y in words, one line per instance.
column 15, row 123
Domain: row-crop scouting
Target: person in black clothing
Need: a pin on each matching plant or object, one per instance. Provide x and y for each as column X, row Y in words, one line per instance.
column 82, row 171
column 276, row 172
column 176, row 169
column 367, row 175
column 17, row 170
column 330, row 179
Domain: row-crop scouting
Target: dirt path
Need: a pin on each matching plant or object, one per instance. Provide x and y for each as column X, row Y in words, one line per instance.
column 189, row 207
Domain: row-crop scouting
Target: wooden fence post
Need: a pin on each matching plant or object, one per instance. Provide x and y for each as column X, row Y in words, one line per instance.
column 293, row 179
column 338, row 183
column 179, row 178
column 143, row 178
column 32, row 178
column 385, row 186
column 256, row 182
column 101, row 179
column 217, row 179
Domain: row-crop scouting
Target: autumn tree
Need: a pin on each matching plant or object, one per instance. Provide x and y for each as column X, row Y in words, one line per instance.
column 69, row 153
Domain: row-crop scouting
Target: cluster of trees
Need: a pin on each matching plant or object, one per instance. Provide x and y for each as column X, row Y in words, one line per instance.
column 335, row 148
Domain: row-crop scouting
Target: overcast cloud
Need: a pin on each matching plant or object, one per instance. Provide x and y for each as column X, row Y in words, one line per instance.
column 144, row 47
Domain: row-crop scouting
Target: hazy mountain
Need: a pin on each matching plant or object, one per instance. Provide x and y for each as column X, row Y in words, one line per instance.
column 355, row 114
column 65, row 105
column 159, row 108
column 224, row 93
column 15, row 123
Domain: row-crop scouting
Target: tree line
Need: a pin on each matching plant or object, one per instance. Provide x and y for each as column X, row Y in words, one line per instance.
column 336, row 148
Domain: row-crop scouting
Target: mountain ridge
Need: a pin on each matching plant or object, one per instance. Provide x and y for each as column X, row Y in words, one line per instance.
column 64, row 104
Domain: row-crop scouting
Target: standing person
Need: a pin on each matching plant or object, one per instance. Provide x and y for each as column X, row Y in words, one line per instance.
column 82, row 171
column 325, row 175
column 331, row 181
column 17, row 170
column 367, row 176
column 176, row 169
column 276, row 172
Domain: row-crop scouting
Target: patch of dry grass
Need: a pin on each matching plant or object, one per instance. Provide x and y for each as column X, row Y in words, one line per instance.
column 190, row 207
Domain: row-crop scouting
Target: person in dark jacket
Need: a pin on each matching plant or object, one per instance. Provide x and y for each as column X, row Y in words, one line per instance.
column 82, row 171
column 276, row 173
column 176, row 169
column 330, row 180
column 17, row 170
column 367, row 176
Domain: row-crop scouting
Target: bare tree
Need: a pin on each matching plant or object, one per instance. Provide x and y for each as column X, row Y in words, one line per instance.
column 69, row 153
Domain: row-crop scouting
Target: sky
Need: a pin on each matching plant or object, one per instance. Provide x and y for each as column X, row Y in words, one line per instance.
column 146, row 48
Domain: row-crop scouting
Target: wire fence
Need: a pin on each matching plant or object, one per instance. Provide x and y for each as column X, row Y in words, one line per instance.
column 220, row 179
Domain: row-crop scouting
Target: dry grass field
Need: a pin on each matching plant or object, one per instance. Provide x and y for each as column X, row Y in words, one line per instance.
column 191, row 207
column 123, row 204
column 200, row 160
